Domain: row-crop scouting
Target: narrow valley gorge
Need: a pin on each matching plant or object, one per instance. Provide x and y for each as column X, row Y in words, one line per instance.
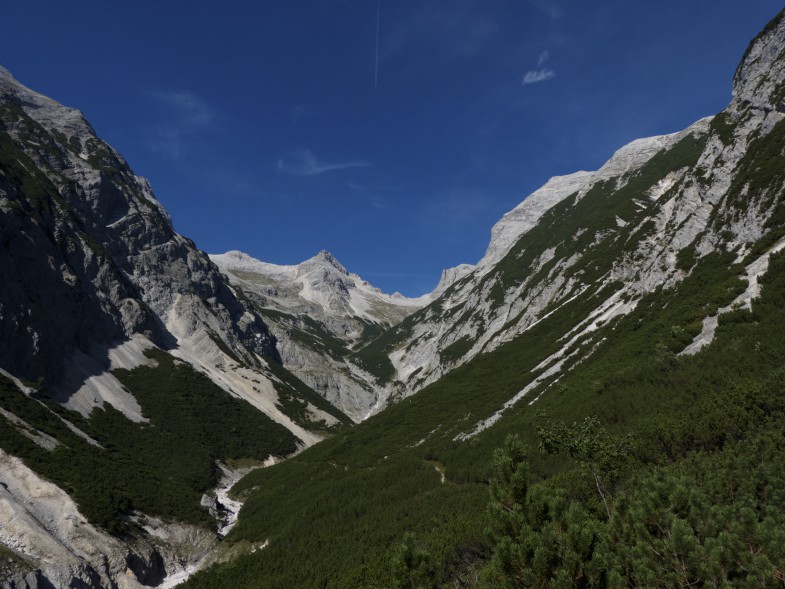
column 173, row 418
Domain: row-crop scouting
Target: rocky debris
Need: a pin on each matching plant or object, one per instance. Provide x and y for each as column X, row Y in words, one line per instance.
column 341, row 382
column 55, row 546
column 74, row 218
column 93, row 274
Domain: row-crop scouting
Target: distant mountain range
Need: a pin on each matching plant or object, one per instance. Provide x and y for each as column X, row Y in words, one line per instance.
column 319, row 313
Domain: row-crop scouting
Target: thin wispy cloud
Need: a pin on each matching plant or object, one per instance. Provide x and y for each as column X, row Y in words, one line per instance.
column 303, row 162
column 539, row 74
column 186, row 116
column 193, row 109
column 454, row 210
column 536, row 76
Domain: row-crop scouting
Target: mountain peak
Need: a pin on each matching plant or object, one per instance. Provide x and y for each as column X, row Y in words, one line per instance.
column 6, row 75
column 326, row 256
column 450, row 276
column 324, row 260
column 760, row 77
column 47, row 112
column 523, row 217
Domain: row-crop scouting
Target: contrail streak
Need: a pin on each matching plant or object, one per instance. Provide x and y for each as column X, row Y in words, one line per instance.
column 376, row 68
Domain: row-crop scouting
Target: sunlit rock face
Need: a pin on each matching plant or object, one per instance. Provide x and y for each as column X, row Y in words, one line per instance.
column 89, row 256
column 320, row 313
column 628, row 228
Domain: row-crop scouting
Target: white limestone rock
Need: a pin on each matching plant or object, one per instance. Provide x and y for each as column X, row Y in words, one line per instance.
column 342, row 303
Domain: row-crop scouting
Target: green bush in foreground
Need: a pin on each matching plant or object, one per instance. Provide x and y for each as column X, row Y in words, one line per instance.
column 712, row 519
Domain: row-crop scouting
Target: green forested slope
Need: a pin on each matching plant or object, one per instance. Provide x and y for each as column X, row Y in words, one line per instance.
column 335, row 514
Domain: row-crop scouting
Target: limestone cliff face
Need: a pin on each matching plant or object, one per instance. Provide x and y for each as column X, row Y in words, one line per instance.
column 89, row 256
column 41, row 522
column 93, row 274
column 759, row 79
column 634, row 224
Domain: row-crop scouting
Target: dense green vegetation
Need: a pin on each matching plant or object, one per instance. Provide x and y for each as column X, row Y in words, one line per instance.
column 373, row 357
column 572, row 226
column 456, row 350
column 346, row 526
column 161, row 467
column 632, row 466
column 669, row 412
column 714, row 518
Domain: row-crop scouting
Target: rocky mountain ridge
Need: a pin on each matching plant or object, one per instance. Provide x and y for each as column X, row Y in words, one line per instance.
column 96, row 282
column 320, row 285
column 665, row 201
column 476, row 308
column 119, row 278
column 319, row 313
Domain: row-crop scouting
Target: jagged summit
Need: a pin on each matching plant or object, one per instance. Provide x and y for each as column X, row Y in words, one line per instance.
column 325, row 262
column 237, row 260
column 5, row 76
column 514, row 224
column 760, row 78
column 325, row 256
column 319, row 313
column 323, row 282
column 450, row 276
column 593, row 295
column 49, row 113
column 662, row 209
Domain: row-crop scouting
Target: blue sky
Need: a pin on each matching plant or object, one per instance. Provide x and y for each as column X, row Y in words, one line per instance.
column 283, row 128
